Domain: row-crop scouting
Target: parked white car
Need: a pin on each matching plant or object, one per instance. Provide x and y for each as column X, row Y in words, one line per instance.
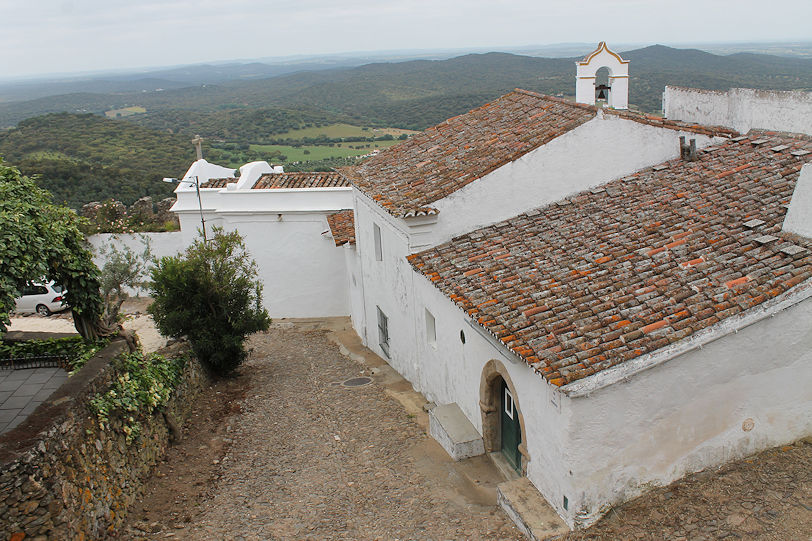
column 42, row 298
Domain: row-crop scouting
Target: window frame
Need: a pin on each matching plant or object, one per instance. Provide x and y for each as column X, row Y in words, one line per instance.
column 377, row 241
column 431, row 328
column 383, row 331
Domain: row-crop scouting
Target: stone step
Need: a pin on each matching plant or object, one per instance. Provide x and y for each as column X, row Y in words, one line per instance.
column 454, row 432
column 529, row 510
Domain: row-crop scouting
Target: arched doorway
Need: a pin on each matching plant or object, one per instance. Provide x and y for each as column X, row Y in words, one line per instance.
column 502, row 420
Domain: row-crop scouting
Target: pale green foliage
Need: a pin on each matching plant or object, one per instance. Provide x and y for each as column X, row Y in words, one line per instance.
column 141, row 385
column 123, row 267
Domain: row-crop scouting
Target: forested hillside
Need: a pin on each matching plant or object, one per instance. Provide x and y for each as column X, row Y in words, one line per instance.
column 82, row 158
column 420, row 93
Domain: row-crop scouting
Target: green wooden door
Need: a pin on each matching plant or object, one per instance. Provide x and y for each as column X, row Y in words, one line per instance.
column 511, row 430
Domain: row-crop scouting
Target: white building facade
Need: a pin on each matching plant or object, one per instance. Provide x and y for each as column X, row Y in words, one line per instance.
column 463, row 238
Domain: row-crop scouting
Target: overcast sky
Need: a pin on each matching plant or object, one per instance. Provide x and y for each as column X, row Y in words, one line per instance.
column 61, row 36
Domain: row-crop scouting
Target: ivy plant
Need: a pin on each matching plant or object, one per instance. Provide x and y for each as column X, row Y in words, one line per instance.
column 141, row 384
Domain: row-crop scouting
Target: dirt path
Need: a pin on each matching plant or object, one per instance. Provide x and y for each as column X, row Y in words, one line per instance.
column 309, row 458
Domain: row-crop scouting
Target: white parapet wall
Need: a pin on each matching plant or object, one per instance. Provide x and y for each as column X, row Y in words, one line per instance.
column 164, row 244
column 742, row 109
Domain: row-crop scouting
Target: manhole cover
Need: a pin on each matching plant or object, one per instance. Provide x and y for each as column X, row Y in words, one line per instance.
column 357, row 382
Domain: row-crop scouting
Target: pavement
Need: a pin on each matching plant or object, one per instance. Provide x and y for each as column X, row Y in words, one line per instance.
column 21, row 391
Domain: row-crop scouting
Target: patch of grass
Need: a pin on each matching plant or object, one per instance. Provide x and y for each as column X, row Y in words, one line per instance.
column 322, row 152
column 335, row 131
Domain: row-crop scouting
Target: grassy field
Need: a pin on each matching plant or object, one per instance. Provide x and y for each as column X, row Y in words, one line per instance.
column 334, row 131
column 126, row 111
column 321, row 152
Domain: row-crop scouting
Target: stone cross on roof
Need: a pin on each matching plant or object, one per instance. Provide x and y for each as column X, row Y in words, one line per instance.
column 198, row 142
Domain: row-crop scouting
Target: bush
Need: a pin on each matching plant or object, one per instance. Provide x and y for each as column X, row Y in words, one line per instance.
column 142, row 383
column 211, row 295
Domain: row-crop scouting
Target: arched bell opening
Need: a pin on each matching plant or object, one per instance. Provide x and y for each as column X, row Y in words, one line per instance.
column 503, row 428
column 603, row 87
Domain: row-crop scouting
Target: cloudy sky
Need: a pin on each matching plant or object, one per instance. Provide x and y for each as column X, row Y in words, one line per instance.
column 62, row 36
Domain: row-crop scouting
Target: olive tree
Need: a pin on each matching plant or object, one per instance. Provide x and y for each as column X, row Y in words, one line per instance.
column 41, row 239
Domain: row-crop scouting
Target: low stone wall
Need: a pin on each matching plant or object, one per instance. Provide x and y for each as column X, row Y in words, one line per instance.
column 61, row 477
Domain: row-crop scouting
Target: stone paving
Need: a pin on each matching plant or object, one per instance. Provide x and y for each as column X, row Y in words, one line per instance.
column 310, row 458
column 21, row 391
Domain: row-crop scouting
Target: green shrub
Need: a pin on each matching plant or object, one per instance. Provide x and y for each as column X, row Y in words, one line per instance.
column 141, row 384
column 212, row 296
column 77, row 349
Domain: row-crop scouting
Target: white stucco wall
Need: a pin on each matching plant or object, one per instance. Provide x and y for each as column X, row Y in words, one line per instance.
column 742, row 109
column 603, row 149
column 691, row 413
column 452, row 372
column 161, row 245
column 301, row 268
column 286, row 232
column 449, row 371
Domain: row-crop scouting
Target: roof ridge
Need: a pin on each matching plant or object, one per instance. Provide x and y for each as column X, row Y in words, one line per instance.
column 556, row 99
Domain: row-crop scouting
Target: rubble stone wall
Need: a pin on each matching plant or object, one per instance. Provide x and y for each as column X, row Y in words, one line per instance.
column 61, row 477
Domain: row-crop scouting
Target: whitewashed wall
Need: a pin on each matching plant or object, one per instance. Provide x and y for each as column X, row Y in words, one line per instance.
column 161, row 244
column 603, row 149
column 301, row 268
column 452, row 372
column 691, row 413
column 742, row 109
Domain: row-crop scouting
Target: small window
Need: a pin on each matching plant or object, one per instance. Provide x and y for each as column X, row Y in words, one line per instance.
column 508, row 403
column 431, row 330
column 376, row 233
column 383, row 331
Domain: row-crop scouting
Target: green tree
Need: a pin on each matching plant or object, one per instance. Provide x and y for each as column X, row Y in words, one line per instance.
column 39, row 239
column 123, row 267
column 210, row 294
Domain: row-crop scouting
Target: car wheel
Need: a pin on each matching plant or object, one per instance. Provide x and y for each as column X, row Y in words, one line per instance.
column 43, row 310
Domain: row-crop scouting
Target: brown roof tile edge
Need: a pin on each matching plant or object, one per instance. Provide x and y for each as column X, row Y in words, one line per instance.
column 662, row 122
column 613, row 374
column 342, row 227
column 564, row 101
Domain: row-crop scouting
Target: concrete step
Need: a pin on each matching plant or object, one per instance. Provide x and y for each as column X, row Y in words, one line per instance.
column 454, row 432
column 529, row 510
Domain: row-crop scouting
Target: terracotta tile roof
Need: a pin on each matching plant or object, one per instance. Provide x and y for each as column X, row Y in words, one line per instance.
column 342, row 227
column 301, row 180
column 407, row 178
column 218, row 182
column 613, row 273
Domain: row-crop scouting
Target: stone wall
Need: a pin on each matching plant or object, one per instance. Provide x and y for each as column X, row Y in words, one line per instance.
column 61, row 477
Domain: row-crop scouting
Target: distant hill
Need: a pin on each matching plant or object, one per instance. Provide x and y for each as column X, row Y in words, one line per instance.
column 83, row 158
column 420, row 93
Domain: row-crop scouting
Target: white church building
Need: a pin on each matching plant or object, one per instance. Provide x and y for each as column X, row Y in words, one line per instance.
column 605, row 299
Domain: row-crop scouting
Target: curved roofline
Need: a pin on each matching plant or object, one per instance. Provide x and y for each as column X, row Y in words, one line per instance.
column 601, row 47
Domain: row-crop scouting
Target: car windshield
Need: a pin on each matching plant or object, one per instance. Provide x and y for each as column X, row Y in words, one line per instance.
column 58, row 288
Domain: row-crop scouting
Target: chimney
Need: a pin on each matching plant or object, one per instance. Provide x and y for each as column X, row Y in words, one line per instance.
column 799, row 215
column 687, row 152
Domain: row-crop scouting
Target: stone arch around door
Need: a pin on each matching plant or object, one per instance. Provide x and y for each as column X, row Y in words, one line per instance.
column 493, row 374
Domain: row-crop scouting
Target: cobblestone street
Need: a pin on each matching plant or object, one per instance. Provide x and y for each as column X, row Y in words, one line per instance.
column 314, row 459
column 285, row 451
